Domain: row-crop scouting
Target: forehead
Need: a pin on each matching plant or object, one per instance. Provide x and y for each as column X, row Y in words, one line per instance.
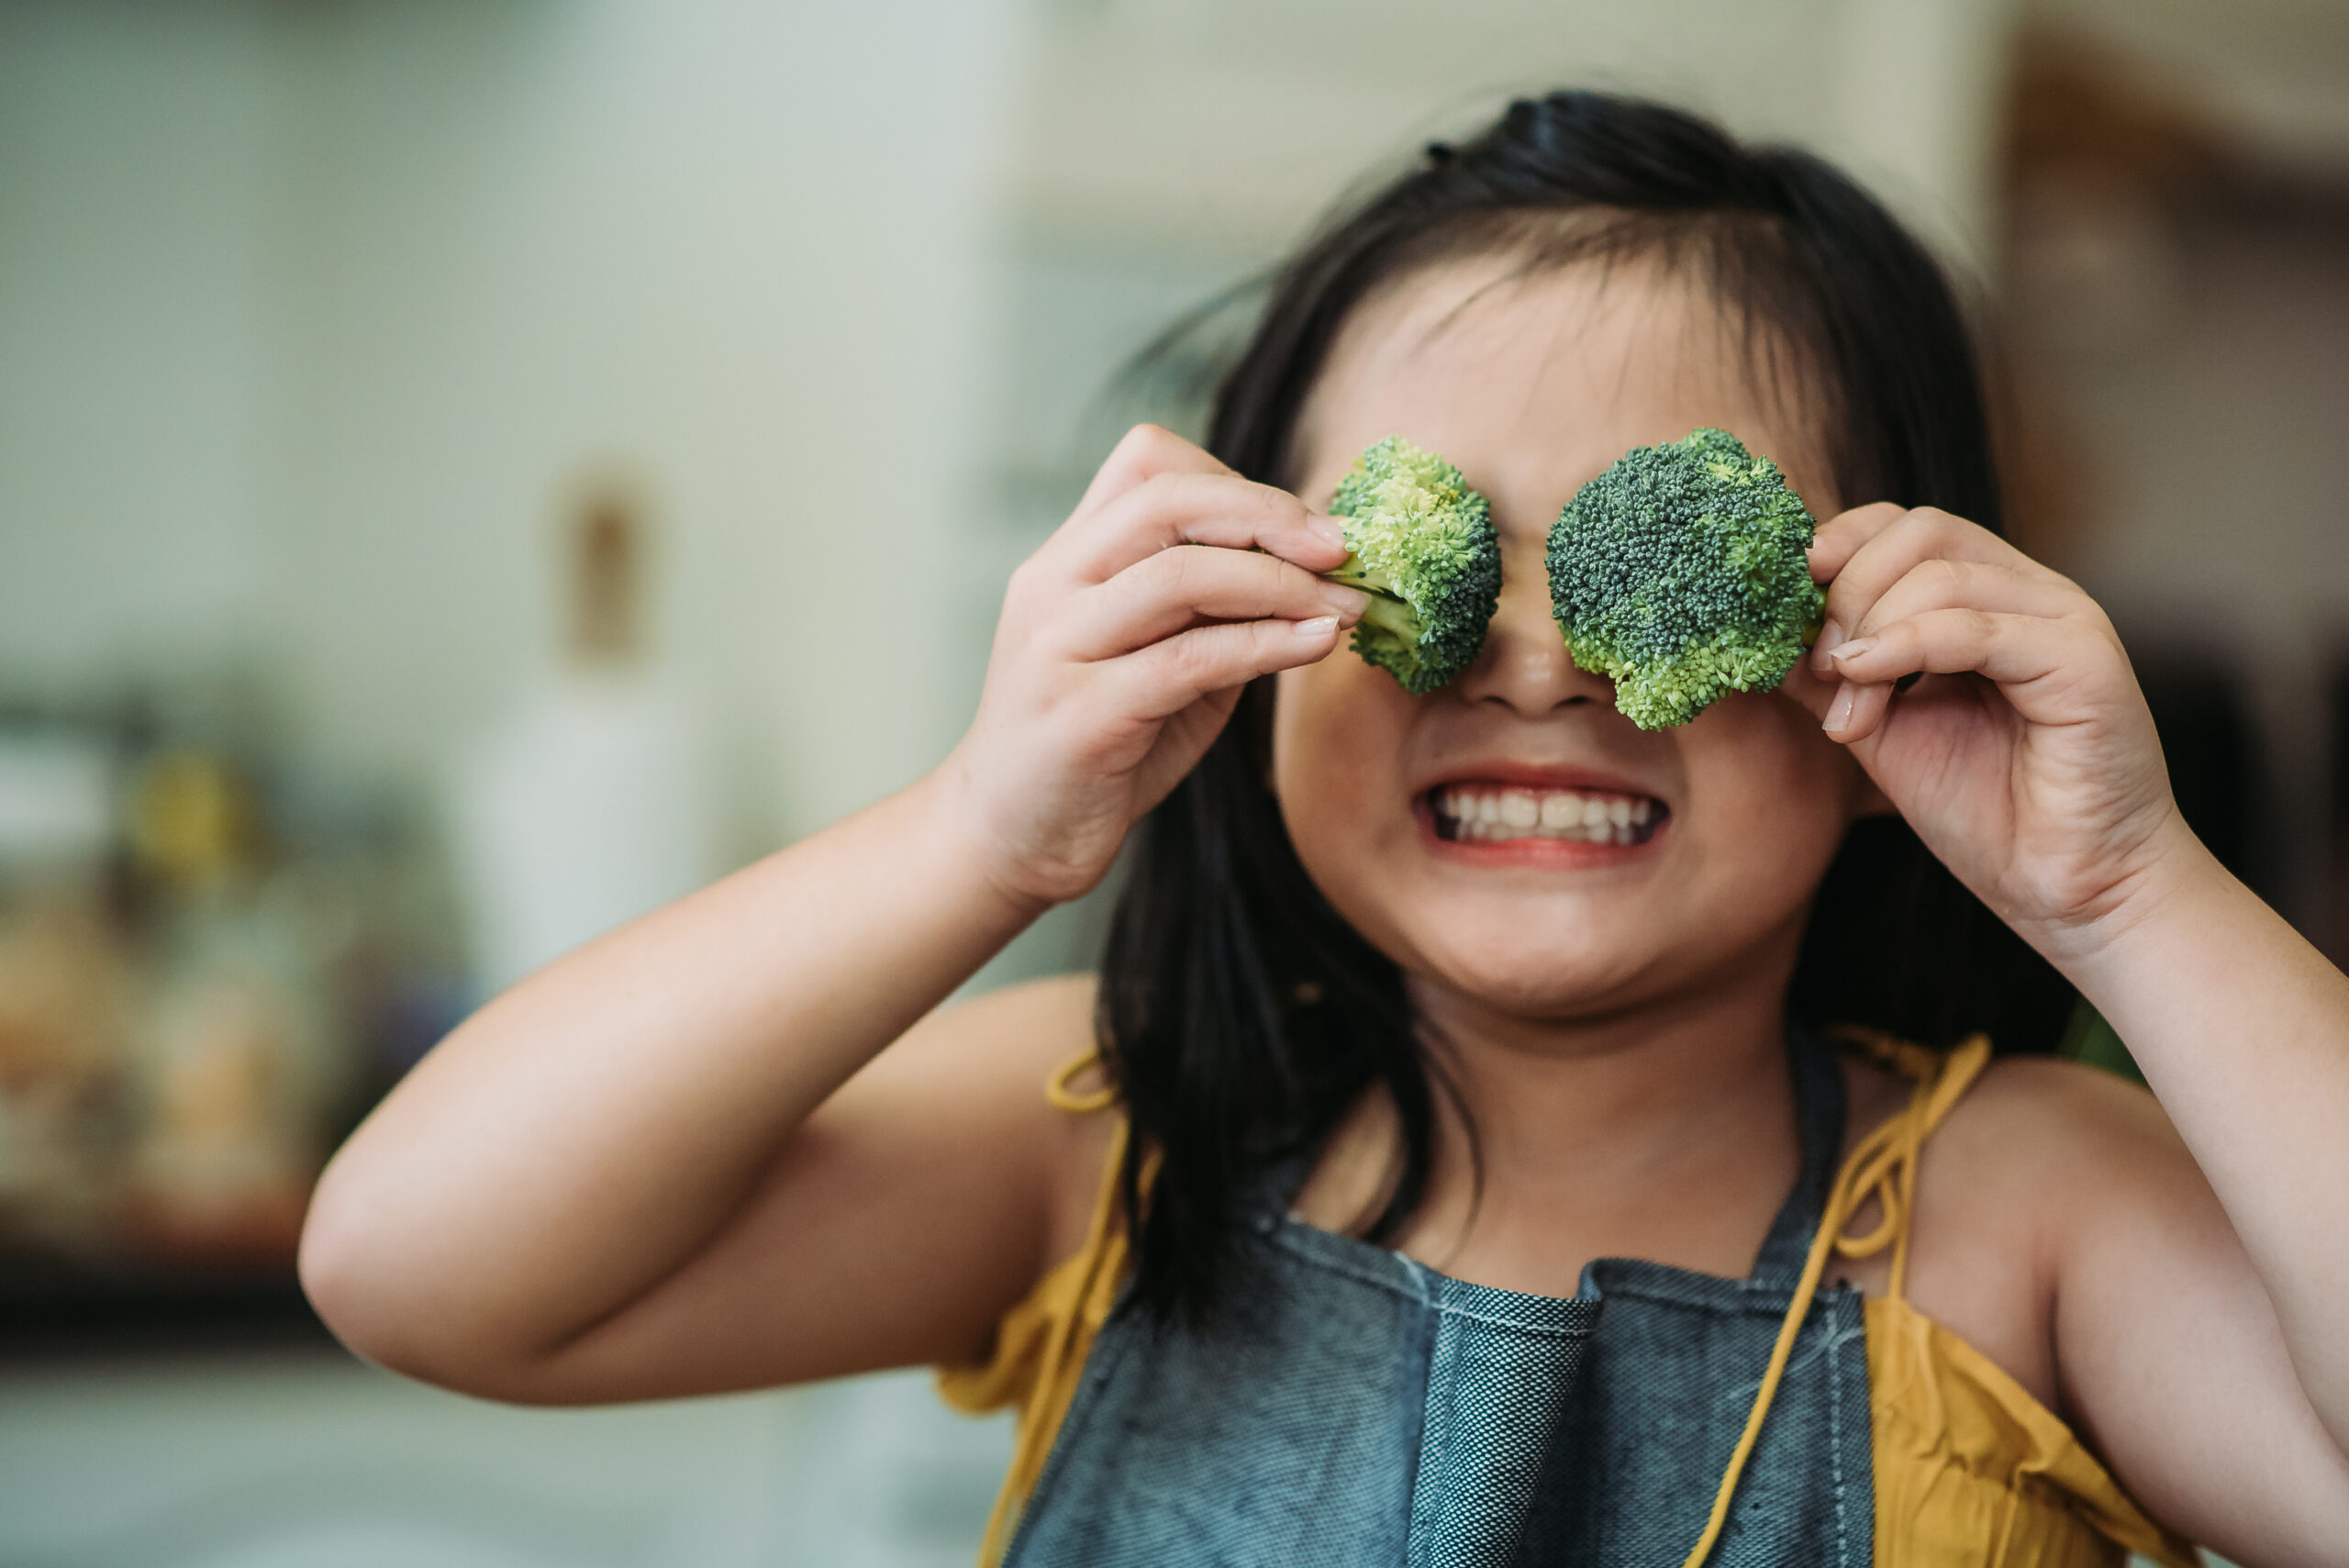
column 1532, row 383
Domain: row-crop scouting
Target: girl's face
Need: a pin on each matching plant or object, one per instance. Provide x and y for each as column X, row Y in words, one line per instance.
column 1608, row 865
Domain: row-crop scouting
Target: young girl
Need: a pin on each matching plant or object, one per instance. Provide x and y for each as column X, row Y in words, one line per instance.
column 1304, row 1233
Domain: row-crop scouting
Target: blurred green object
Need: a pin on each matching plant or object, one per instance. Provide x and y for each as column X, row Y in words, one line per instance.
column 2087, row 1038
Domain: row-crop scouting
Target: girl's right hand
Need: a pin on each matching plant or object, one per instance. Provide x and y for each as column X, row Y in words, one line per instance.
column 1123, row 647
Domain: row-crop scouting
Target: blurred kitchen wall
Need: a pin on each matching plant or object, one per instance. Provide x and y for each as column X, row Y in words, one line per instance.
column 314, row 319
column 2174, row 315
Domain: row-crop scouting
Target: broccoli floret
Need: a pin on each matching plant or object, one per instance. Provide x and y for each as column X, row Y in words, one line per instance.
column 1679, row 573
column 1423, row 546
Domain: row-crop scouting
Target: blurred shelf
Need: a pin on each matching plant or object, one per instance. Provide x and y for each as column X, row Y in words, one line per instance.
column 57, row 1308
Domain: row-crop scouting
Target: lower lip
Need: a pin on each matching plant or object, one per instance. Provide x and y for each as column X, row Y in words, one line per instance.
column 1556, row 854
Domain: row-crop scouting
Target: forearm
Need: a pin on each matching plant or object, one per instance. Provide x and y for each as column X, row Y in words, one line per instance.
column 2242, row 1029
column 573, row 1143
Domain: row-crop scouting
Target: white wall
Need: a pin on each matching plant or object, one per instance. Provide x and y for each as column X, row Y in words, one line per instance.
column 730, row 248
column 1232, row 123
column 133, row 146
column 311, row 318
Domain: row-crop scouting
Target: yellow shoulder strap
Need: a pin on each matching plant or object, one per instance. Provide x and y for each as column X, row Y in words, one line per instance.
column 1101, row 1263
column 1883, row 1166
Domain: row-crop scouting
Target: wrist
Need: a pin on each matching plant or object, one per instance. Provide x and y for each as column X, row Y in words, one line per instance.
column 2174, row 883
column 967, row 851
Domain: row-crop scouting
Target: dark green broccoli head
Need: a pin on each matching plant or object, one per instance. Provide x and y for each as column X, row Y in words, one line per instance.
column 1678, row 572
column 1424, row 547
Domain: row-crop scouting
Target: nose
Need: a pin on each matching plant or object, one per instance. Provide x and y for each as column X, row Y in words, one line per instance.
column 1524, row 665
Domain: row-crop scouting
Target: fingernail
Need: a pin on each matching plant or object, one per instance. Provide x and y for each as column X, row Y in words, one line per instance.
column 1853, row 648
column 1829, row 636
column 1839, row 712
column 1317, row 628
column 1326, row 529
column 1349, row 603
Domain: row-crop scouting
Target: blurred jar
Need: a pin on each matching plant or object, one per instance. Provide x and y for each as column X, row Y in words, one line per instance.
column 234, row 1064
column 65, row 1025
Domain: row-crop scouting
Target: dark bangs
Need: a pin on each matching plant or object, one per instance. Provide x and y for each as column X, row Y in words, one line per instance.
column 1239, row 1017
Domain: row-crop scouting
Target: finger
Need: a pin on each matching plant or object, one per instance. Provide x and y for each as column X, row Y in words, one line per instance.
column 2031, row 659
column 1176, row 588
column 1855, row 711
column 1893, row 552
column 1994, row 587
column 1840, row 537
column 1174, row 508
column 1168, row 676
column 2007, row 648
column 1144, row 452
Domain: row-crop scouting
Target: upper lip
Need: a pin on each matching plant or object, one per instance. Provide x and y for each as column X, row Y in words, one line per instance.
column 1535, row 776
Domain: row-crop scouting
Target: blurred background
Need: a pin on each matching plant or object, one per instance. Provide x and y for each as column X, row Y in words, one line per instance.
column 471, row 469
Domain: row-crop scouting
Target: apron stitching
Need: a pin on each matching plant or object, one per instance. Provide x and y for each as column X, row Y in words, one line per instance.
column 1419, row 1275
column 1435, row 1432
column 1835, row 1445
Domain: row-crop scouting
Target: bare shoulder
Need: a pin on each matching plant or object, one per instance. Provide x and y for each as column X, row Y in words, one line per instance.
column 980, row 1067
column 2027, row 1130
column 2092, row 1169
column 988, row 1058
column 2036, row 1157
column 2077, row 1137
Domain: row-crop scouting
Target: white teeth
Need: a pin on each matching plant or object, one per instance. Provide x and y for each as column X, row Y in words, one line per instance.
column 1498, row 815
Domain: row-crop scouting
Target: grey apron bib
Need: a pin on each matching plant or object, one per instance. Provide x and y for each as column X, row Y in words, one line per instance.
column 1360, row 1408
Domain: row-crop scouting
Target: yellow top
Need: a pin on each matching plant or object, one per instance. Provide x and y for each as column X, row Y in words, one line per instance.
column 1970, row 1469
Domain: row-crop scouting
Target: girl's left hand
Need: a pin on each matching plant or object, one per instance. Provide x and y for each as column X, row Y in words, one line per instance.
column 1990, row 701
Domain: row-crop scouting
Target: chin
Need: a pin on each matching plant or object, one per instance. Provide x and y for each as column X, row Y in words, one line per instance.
column 1523, row 976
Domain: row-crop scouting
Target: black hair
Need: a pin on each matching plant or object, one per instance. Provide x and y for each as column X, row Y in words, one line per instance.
column 1239, row 1017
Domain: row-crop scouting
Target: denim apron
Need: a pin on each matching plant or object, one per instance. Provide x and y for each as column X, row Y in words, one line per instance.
column 1358, row 1408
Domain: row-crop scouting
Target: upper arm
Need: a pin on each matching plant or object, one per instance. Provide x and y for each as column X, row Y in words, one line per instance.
column 893, row 1228
column 2169, row 1356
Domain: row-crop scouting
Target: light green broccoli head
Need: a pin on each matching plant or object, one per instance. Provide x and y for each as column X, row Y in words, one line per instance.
column 1424, row 548
column 1679, row 573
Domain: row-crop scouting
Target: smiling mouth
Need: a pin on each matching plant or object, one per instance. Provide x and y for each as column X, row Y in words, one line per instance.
column 1496, row 814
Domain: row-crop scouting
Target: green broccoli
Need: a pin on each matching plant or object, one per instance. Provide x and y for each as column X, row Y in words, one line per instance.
column 1679, row 573
column 1423, row 547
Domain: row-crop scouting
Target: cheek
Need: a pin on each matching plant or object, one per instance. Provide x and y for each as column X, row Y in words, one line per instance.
column 1339, row 734
column 1335, row 742
column 1772, row 800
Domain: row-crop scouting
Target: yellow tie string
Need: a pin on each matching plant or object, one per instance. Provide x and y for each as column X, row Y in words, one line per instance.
column 1061, row 1092
column 1106, row 1261
column 1882, row 1166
